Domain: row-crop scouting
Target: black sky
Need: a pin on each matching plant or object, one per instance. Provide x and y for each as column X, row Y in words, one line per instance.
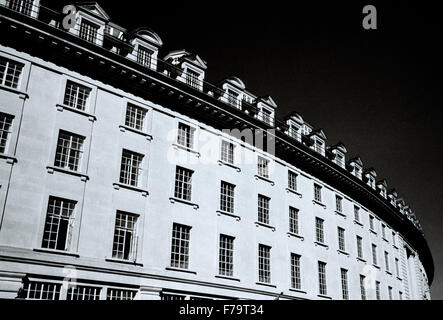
column 379, row 91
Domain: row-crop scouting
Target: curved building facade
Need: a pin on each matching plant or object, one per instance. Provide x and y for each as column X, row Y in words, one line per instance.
column 124, row 174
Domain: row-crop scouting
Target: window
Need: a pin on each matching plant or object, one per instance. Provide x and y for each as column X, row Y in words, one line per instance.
column 144, row 56
column 233, row 99
column 183, row 184
column 344, row 284
column 263, row 167
column 76, row 96
column 22, row 6
column 340, row 160
column 319, row 232
column 131, row 168
column 227, row 152
column 88, row 31
column 393, row 239
column 69, row 151
column 400, row 295
column 397, row 269
column 226, row 256
column 359, row 247
column 374, row 254
column 227, row 197
column 293, row 220
column 357, row 213
column 83, row 293
column 338, row 204
column 125, row 237
column 267, row 116
column 387, row 261
column 322, row 278
column 135, row 117
column 119, row 294
column 5, row 131
column 180, row 246
column 341, row 239
column 59, row 224
column 383, row 231
column 41, row 291
column 264, row 263
column 390, row 293
column 10, row 73
column 371, row 223
column 295, row 271
column 362, row 287
column 192, row 79
column 317, row 192
column 292, row 181
column 377, row 290
column 263, row 209
column 185, row 136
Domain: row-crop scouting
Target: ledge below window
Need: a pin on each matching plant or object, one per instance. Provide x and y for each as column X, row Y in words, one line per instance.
column 265, row 225
column 266, row 284
column 288, row 190
column 324, row 296
column 194, row 205
column 227, row 278
column 359, row 223
column 90, row 116
column 389, row 272
column 372, row 231
column 319, row 203
column 224, row 163
column 177, row 146
column 292, row 234
column 384, row 239
column 361, row 259
column 22, row 95
column 257, row 177
column 119, row 185
column 59, row 252
column 9, row 159
column 180, row 270
column 133, row 263
column 340, row 214
column 343, row 252
column 398, row 278
column 321, row 245
column 297, row 290
column 375, row 266
column 52, row 169
column 224, row 213
column 123, row 128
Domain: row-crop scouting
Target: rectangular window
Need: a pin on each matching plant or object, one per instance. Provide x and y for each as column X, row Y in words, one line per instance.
column 59, row 224
column 88, row 31
column 393, row 239
column 227, row 197
column 227, row 152
column 185, row 136
column 295, row 272
column 397, row 269
column 357, row 213
column 22, row 6
column 264, row 263
column 390, row 293
column 125, row 237
column 341, row 239
column 319, row 146
column 317, row 192
column 263, row 167
column 180, row 246
column 135, row 117
column 76, row 96
column 362, row 287
column 377, row 290
column 387, row 260
column 371, row 223
column 293, row 220
column 292, row 181
column 192, row 79
column 69, row 151
column 374, row 254
column 319, row 232
column 263, row 209
column 340, row 160
column 359, row 247
column 183, row 184
column 344, row 284
column 5, row 131
column 338, row 204
column 131, row 168
column 41, row 291
column 119, row 294
column 322, row 288
column 226, row 256
column 10, row 73
column 383, row 231
column 233, row 98
column 144, row 56
column 267, row 116
column 83, row 293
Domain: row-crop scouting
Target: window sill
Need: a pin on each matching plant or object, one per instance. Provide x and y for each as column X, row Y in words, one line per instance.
column 129, row 262
column 324, row 296
column 321, row 244
column 189, row 203
column 297, row 290
column 52, row 169
column 265, row 225
column 288, row 190
column 384, row 239
column 359, row 223
column 266, row 284
column 180, row 270
column 224, row 213
column 60, row 252
column 372, row 231
column 343, row 252
column 224, row 163
column 227, row 278
column 361, row 259
column 62, row 107
column 257, row 177
column 177, row 146
column 389, row 272
column 292, row 234
column 119, row 185
column 23, row 95
column 9, row 159
column 398, row 278
column 375, row 266
column 340, row 214
column 319, row 203
column 395, row 247
column 124, row 128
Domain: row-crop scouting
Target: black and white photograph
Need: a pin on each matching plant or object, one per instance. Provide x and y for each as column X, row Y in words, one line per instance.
column 218, row 155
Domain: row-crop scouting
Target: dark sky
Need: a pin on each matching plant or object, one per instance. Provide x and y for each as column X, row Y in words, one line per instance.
column 379, row 91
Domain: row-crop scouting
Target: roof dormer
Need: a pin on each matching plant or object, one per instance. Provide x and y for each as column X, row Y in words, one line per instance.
column 91, row 21
column 369, row 177
column 355, row 166
column 382, row 186
column 233, row 91
column 145, row 45
column 339, row 151
column 392, row 196
column 319, row 141
column 266, row 110
column 190, row 68
column 400, row 204
column 26, row 7
column 294, row 124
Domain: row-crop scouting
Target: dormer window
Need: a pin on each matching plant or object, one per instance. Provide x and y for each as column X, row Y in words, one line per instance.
column 340, row 160
column 266, row 107
column 22, row 6
column 233, row 98
column 339, row 150
column 187, row 68
column 144, row 56
column 145, row 44
column 89, row 31
column 267, row 117
column 192, row 79
column 319, row 146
